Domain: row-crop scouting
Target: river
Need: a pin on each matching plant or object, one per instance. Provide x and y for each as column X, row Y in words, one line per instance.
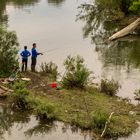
column 53, row 26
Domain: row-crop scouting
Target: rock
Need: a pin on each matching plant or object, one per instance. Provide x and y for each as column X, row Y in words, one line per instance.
column 26, row 79
column 132, row 113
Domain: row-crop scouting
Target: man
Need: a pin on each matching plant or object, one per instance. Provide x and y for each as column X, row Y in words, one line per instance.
column 34, row 57
column 25, row 54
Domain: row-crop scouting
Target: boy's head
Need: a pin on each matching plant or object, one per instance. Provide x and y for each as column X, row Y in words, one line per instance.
column 34, row 45
column 25, row 47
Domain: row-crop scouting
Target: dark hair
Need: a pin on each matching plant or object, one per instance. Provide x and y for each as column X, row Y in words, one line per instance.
column 34, row 44
column 25, row 47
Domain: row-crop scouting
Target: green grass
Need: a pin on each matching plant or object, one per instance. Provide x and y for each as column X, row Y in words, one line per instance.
column 87, row 109
column 75, row 107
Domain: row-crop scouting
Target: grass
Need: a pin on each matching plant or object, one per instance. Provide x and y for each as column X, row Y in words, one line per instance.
column 81, row 108
column 75, row 107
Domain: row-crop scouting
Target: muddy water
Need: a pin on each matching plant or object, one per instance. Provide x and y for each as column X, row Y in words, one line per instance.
column 52, row 25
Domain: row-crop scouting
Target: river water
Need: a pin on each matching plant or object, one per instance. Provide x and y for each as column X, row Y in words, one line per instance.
column 53, row 26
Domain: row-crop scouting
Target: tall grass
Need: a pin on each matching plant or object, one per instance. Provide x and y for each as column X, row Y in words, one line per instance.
column 110, row 87
column 99, row 118
column 49, row 69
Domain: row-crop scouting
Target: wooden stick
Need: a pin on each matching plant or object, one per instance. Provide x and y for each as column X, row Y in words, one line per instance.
column 107, row 122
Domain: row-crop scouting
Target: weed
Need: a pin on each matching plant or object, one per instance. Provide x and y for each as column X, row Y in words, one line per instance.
column 99, row 119
column 109, row 87
column 46, row 111
column 49, row 69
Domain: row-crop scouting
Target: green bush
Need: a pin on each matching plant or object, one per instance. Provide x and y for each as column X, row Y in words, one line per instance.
column 20, row 99
column 23, row 100
column 45, row 111
column 76, row 75
column 109, row 87
column 8, row 52
column 99, row 118
column 49, row 69
column 135, row 7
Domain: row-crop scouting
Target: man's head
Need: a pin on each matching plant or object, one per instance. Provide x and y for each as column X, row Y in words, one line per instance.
column 25, row 47
column 34, row 45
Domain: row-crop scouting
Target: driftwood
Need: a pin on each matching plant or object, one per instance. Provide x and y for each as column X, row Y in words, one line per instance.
column 107, row 122
column 125, row 31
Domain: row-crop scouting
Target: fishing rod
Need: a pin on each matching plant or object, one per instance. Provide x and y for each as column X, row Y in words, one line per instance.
column 50, row 50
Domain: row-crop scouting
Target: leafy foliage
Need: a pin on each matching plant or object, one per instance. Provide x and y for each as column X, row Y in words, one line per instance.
column 46, row 111
column 135, row 6
column 23, row 100
column 76, row 75
column 49, row 69
column 109, row 87
column 8, row 52
column 20, row 96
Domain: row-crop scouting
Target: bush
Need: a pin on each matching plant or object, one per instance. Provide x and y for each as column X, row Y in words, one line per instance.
column 109, row 87
column 49, row 69
column 137, row 95
column 76, row 75
column 46, row 111
column 135, row 7
column 20, row 99
column 99, row 118
column 25, row 101
column 8, row 53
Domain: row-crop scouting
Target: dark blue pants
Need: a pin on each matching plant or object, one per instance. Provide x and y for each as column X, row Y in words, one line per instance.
column 24, row 64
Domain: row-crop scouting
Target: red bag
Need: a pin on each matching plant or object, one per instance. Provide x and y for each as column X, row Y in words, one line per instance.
column 54, row 85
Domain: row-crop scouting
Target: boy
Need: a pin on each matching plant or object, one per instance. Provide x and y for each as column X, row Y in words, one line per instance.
column 25, row 54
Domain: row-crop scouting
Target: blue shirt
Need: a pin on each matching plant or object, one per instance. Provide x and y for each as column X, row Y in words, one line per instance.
column 25, row 54
column 34, row 53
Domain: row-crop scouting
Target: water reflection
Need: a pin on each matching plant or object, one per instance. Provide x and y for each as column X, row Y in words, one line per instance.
column 20, row 125
column 21, row 3
column 56, row 2
column 99, row 17
column 16, row 3
column 3, row 15
column 122, row 53
column 99, row 25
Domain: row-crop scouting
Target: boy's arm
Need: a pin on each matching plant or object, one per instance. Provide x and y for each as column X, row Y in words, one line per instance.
column 29, row 53
column 21, row 53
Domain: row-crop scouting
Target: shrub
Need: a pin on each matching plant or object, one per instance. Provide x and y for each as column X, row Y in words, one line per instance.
column 109, row 87
column 49, row 69
column 137, row 95
column 8, row 52
column 23, row 100
column 76, row 75
column 135, row 7
column 99, row 118
column 20, row 96
column 46, row 111
column 20, row 99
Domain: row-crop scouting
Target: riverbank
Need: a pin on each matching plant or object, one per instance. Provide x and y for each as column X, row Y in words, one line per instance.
column 87, row 109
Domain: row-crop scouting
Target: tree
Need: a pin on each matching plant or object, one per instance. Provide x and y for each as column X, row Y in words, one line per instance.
column 8, row 52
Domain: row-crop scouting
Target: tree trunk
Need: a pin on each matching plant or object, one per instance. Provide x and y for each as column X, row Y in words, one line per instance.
column 125, row 31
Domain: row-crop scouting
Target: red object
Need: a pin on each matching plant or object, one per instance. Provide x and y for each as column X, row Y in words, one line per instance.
column 54, row 85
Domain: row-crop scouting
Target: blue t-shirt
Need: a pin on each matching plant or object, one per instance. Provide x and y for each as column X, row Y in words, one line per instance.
column 34, row 53
column 25, row 54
